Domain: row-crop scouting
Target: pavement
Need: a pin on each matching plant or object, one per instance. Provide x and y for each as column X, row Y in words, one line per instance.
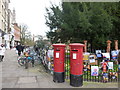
column 16, row 76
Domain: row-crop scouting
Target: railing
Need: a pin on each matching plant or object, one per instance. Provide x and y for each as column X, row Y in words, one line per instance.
column 111, row 75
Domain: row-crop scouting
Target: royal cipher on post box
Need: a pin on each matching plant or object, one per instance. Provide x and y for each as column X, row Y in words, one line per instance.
column 59, row 57
column 76, row 64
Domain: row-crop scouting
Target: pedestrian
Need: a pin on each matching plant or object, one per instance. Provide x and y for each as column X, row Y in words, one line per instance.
column 23, row 48
column 19, row 49
column 2, row 52
column 37, row 50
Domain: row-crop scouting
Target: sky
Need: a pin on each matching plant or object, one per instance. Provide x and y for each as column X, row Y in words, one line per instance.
column 31, row 13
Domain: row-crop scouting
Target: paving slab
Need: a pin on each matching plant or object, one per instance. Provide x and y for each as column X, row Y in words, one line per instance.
column 27, row 80
column 9, row 79
column 8, row 85
column 29, row 85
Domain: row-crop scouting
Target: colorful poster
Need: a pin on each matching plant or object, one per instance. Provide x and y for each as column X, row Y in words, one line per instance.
column 114, row 54
column 98, row 51
column 110, row 65
column 86, row 56
column 92, row 58
column 106, row 55
column 94, row 70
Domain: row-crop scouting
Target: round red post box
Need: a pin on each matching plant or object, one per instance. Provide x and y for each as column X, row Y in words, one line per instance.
column 59, row 57
column 76, row 64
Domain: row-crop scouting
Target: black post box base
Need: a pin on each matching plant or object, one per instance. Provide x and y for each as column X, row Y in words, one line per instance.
column 76, row 80
column 59, row 77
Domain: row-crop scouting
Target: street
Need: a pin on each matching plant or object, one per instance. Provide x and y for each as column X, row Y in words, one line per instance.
column 16, row 76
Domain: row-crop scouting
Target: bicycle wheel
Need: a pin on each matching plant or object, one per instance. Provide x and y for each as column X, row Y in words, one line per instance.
column 21, row 61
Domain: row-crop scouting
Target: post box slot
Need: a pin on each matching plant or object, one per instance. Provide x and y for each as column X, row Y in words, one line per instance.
column 74, row 50
column 57, row 50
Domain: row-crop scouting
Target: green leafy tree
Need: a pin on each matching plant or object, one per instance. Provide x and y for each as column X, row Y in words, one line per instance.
column 75, row 22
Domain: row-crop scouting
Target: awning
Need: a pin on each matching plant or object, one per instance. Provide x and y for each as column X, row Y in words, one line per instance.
column 2, row 33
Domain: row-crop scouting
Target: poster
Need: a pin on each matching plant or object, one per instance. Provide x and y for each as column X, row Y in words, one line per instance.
column 110, row 65
column 94, row 70
column 114, row 54
column 86, row 56
column 106, row 55
column 92, row 58
column 98, row 51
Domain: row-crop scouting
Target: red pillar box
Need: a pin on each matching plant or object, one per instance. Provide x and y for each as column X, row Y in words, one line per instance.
column 59, row 57
column 76, row 64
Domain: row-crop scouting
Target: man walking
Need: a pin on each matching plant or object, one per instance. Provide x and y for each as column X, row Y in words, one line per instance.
column 2, row 52
column 19, row 49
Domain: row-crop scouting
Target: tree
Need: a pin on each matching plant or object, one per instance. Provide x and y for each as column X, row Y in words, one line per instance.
column 41, row 42
column 26, row 37
column 90, row 21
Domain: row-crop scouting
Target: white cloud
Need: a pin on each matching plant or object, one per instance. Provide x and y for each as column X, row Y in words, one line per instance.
column 31, row 12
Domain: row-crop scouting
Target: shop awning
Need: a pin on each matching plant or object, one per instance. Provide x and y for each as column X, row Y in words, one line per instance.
column 2, row 33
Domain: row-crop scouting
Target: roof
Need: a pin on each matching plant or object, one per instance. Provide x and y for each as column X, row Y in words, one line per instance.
column 59, row 44
column 76, row 44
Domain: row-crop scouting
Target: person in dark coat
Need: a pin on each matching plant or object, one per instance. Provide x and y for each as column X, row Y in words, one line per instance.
column 23, row 48
column 19, row 48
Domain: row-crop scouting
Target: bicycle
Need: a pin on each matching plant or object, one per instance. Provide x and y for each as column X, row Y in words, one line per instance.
column 25, row 60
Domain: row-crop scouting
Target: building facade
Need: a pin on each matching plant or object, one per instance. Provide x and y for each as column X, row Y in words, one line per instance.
column 9, row 30
column 16, row 34
column 4, row 5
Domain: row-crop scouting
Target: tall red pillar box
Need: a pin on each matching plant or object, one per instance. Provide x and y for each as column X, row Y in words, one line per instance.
column 76, row 64
column 59, row 57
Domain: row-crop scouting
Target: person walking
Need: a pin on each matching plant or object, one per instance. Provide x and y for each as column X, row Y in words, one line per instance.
column 2, row 52
column 19, row 49
column 23, row 48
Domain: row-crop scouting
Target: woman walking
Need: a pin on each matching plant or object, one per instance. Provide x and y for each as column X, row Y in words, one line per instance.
column 2, row 52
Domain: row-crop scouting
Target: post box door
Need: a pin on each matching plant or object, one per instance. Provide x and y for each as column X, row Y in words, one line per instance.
column 76, row 62
column 59, row 60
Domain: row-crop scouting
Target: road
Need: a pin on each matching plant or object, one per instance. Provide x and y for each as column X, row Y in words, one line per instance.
column 15, row 76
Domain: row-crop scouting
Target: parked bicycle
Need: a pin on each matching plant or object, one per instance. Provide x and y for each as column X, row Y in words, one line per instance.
column 29, row 57
column 25, row 60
